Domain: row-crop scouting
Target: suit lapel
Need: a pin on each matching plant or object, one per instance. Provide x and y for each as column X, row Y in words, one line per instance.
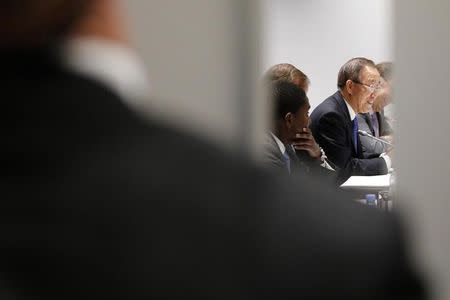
column 273, row 147
column 341, row 104
column 366, row 117
column 344, row 111
column 276, row 151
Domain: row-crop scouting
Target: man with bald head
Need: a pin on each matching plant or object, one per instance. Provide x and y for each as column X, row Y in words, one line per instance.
column 99, row 203
column 335, row 126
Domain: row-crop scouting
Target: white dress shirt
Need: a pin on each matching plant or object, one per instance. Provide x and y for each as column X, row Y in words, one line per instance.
column 280, row 144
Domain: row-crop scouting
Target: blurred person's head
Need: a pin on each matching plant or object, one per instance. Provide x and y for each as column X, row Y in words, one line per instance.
column 291, row 113
column 384, row 96
column 37, row 23
column 358, row 81
column 288, row 72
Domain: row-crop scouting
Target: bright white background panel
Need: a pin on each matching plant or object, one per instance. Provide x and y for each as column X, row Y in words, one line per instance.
column 318, row 36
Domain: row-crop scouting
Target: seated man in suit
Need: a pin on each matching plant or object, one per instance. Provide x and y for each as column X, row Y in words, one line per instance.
column 291, row 119
column 374, row 121
column 288, row 143
column 98, row 203
column 335, row 126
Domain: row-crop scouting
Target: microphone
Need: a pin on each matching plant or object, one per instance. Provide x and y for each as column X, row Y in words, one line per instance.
column 364, row 133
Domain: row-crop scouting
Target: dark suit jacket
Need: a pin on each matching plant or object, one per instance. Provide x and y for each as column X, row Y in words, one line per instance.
column 98, row 203
column 333, row 131
column 371, row 147
column 301, row 163
column 272, row 156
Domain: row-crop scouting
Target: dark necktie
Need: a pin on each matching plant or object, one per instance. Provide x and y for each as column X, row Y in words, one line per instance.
column 355, row 134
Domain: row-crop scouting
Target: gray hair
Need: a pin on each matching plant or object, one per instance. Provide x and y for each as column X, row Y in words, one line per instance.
column 385, row 70
column 351, row 70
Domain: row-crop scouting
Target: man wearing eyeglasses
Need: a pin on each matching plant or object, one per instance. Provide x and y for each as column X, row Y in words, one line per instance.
column 335, row 126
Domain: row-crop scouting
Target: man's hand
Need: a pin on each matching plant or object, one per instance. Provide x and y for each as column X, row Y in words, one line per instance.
column 305, row 141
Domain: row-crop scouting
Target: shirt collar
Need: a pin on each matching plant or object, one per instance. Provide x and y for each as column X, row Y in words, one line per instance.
column 350, row 109
column 279, row 143
column 115, row 65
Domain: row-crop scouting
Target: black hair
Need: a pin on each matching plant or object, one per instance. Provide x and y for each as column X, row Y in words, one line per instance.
column 287, row 98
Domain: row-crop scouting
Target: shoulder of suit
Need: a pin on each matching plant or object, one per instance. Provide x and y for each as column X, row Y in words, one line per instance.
column 270, row 148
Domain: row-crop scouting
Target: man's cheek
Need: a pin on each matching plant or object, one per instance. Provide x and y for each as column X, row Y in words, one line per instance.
column 362, row 105
column 365, row 106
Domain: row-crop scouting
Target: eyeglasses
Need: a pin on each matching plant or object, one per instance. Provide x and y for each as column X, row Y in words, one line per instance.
column 372, row 87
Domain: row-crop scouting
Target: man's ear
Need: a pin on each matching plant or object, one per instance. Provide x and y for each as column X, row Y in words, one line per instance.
column 288, row 119
column 349, row 86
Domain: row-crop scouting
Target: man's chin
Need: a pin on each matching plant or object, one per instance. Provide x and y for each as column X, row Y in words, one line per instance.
column 366, row 108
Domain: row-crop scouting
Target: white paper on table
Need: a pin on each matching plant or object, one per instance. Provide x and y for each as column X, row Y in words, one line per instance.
column 369, row 182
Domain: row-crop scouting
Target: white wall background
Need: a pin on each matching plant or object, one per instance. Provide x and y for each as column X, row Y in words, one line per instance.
column 319, row 36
